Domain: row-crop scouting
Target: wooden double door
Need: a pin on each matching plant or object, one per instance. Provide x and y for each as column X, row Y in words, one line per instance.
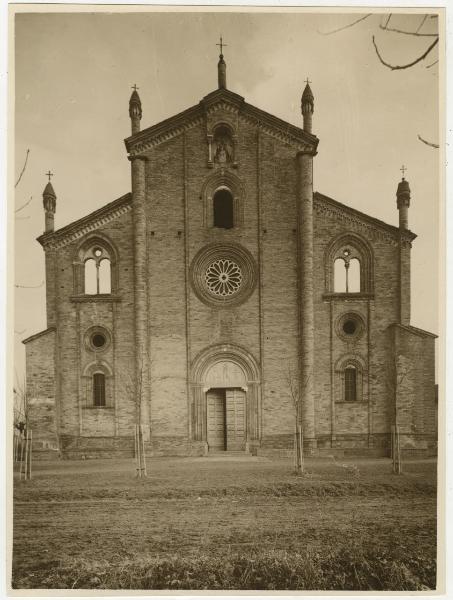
column 226, row 424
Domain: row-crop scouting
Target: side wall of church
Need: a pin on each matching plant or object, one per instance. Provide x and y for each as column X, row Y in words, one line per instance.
column 42, row 421
column 365, row 422
column 82, row 426
column 413, row 370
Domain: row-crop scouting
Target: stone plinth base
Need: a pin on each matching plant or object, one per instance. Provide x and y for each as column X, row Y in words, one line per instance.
column 277, row 446
column 79, row 447
column 175, row 446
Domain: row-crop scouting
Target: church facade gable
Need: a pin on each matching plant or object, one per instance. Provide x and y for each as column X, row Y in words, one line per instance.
column 222, row 302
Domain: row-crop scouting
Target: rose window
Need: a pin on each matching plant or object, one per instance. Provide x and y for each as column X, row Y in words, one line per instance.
column 223, row 277
column 223, row 274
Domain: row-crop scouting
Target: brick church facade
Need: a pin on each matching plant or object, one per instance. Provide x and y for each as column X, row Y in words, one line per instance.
column 222, row 292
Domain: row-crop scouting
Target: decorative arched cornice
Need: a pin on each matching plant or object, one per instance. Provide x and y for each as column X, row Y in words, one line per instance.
column 364, row 252
column 97, row 366
column 223, row 178
column 221, row 352
column 96, row 239
column 350, row 359
column 222, row 123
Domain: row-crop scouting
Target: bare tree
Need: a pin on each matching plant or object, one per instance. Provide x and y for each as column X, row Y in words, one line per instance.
column 23, row 169
column 22, row 434
column 134, row 388
column 295, row 390
column 419, row 32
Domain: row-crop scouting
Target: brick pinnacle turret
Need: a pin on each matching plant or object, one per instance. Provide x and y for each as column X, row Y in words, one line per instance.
column 307, row 106
column 135, row 110
column 49, row 201
column 403, row 200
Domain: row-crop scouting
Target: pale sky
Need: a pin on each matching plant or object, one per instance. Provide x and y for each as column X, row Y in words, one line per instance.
column 73, row 78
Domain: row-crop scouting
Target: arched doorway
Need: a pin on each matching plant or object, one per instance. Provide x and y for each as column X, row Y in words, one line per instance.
column 226, row 399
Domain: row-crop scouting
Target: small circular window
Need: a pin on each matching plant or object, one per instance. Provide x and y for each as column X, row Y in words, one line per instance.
column 97, row 339
column 350, row 326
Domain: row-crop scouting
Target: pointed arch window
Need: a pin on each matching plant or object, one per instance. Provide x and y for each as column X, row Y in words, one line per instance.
column 349, row 266
column 351, row 380
column 97, row 381
column 95, row 268
column 223, row 209
column 98, row 272
column 347, row 274
column 350, row 384
column 98, row 389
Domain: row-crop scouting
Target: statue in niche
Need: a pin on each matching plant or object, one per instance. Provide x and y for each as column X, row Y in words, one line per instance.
column 223, row 146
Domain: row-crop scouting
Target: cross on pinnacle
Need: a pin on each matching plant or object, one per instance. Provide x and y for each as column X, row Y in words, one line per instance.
column 221, row 45
column 135, row 88
column 49, row 174
column 403, row 170
column 307, row 81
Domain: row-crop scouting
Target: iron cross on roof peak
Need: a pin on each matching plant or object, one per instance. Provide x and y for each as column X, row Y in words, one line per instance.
column 403, row 170
column 307, row 81
column 134, row 87
column 49, row 174
column 221, row 45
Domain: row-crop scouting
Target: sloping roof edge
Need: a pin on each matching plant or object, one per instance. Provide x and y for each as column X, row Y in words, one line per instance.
column 415, row 330
column 39, row 334
column 409, row 235
column 106, row 211
column 198, row 110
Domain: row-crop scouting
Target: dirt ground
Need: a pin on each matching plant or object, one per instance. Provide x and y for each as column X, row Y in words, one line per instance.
column 98, row 510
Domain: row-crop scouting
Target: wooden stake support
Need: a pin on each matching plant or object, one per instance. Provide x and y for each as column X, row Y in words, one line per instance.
column 301, row 449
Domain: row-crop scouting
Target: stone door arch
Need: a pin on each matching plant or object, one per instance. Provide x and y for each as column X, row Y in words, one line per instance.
column 225, row 366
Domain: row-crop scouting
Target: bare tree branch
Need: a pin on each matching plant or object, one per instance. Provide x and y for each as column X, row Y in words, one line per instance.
column 24, row 205
column 427, row 143
column 432, row 64
column 388, row 20
column 346, row 26
column 20, row 332
column 422, row 23
column 411, row 64
column 29, row 286
column 393, row 29
column 23, row 168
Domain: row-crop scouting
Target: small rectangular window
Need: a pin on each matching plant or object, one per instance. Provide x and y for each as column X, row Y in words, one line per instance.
column 99, row 389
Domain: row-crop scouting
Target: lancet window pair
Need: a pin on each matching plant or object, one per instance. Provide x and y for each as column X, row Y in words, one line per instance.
column 98, row 278
column 349, row 265
column 347, row 273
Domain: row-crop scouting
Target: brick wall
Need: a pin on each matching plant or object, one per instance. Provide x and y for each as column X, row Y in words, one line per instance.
column 41, row 391
column 180, row 326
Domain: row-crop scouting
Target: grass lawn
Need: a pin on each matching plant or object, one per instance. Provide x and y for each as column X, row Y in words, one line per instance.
column 208, row 523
